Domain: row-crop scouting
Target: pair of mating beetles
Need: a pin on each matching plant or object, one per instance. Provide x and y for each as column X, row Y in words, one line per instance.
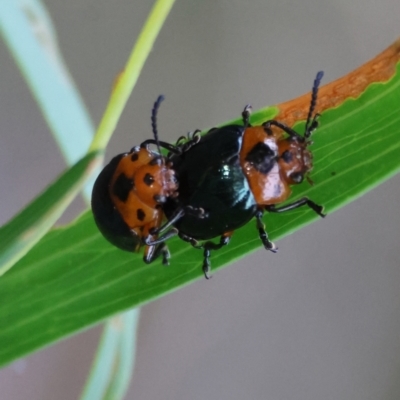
column 206, row 187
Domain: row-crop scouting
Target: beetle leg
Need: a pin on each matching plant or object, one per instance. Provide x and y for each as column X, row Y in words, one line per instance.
column 177, row 215
column 153, row 252
column 291, row 132
column 166, row 255
column 181, row 140
column 190, row 240
column 150, row 241
column 246, row 115
column 168, row 146
column 192, row 139
column 208, row 246
column 188, row 210
column 207, row 263
column 296, row 204
column 268, row 245
column 179, row 148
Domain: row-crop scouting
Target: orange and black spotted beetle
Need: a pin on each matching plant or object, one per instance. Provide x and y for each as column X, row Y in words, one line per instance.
column 127, row 199
column 235, row 173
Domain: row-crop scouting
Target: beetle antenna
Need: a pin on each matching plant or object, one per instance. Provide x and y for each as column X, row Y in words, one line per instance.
column 310, row 124
column 154, row 112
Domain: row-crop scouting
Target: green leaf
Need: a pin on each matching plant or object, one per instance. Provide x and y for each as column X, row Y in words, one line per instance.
column 73, row 278
column 20, row 234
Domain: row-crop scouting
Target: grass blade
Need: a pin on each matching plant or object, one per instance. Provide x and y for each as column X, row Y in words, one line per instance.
column 126, row 353
column 20, row 234
column 128, row 77
column 97, row 383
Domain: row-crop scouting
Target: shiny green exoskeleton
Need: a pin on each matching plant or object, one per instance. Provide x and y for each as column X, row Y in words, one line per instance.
column 211, row 179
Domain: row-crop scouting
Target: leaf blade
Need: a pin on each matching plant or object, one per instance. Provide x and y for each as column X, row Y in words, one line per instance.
column 20, row 234
column 355, row 148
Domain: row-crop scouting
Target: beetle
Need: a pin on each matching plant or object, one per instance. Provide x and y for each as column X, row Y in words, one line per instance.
column 128, row 196
column 235, row 173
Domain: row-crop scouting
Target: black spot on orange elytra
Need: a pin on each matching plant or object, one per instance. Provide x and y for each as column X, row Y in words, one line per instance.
column 140, row 214
column 134, row 157
column 122, row 186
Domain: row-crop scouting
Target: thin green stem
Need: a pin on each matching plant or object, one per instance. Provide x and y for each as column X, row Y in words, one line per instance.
column 126, row 355
column 103, row 365
column 130, row 74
